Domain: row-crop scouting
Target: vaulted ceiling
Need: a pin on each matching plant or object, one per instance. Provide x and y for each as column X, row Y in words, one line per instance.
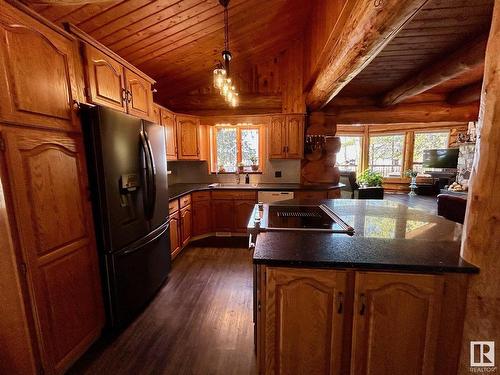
column 178, row 42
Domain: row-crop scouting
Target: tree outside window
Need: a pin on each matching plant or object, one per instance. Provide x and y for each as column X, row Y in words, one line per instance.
column 237, row 145
column 386, row 154
column 427, row 141
column 349, row 156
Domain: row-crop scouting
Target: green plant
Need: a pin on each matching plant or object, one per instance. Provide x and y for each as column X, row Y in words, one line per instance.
column 240, row 165
column 370, row 178
column 253, row 159
column 411, row 173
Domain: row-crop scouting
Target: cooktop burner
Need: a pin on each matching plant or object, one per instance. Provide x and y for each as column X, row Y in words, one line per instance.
column 312, row 218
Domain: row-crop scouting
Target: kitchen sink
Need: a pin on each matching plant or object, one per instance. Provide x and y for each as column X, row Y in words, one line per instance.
column 232, row 186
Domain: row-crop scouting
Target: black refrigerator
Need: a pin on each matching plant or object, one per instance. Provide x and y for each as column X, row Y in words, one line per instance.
column 127, row 169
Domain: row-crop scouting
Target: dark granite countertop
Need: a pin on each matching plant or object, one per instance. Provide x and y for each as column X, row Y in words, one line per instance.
column 388, row 236
column 178, row 190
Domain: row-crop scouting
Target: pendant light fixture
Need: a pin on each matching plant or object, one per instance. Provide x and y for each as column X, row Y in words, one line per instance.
column 221, row 75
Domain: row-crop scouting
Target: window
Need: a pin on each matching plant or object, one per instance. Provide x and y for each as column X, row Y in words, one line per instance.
column 427, row 141
column 234, row 145
column 349, row 156
column 386, row 154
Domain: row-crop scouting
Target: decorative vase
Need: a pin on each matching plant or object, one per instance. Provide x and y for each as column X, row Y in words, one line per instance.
column 240, row 169
column 413, row 186
column 255, row 167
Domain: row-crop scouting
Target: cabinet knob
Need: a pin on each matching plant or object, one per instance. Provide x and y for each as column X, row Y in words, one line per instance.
column 124, row 95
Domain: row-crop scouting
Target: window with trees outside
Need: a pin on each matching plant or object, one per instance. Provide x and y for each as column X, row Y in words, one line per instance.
column 237, row 145
column 349, row 156
column 385, row 154
column 427, row 141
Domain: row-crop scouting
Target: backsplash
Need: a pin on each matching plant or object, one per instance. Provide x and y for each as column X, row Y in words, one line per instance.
column 197, row 172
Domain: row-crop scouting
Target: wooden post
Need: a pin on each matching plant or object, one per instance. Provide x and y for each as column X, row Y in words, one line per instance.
column 480, row 244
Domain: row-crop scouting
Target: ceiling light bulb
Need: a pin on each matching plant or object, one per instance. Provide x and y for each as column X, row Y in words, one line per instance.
column 219, row 76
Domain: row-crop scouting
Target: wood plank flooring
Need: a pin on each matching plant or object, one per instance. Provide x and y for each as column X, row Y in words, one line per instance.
column 200, row 322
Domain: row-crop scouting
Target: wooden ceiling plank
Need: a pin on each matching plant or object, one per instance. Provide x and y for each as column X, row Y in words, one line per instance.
column 179, row 36
column 462, row 60
column 146, row 14
column 144, row 32
column 87, row 12
column 54, row 13
column 122, row 9
column 367, row 30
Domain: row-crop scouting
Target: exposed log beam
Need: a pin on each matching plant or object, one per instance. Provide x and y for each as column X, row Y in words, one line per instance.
column 469, row 57
column 466, row 94
column 271, row 103
column 481, row 231
column 406, row 113
column 363, row 30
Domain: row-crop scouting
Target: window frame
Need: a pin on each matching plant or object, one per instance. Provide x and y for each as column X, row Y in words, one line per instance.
column 361, row 137
column 238, row 128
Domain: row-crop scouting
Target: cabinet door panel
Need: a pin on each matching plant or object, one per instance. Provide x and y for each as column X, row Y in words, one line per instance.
column 202, row 217
column 295, row 137
column 242, row 211
column 223, row 215
column 37, row 76
column 168, row 121
column 48, row 183
column 140, row 96
column 188, row 146
column 105, row 79
column 396, row 322
column 175, row 243
column 303, row 322
column 277, row 134
column 186, row 225
column 156, row 114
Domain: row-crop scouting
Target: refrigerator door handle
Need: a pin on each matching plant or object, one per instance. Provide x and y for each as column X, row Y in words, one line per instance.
column 152, row 197
column 138, row 247
column 147, row 177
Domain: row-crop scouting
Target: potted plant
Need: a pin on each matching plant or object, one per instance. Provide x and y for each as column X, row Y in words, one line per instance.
column 255, row 166
column 241, row 167
column 370, row 178
column 413, row 184
column 222, row 169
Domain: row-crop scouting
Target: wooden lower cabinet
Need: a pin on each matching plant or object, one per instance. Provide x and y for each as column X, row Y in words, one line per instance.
column 396, row 323
column 304, row 320
column 311, row 194
column 185, row 225
column 223, row 215
column 48, row 189
column 175, row 236
column 202, row 216
column 320, row 321
column 242, row 211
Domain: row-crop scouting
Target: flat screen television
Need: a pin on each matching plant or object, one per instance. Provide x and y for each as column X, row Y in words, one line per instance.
column 441, row 158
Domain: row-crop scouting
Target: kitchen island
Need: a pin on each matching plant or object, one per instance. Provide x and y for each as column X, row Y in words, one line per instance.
column 387, row 299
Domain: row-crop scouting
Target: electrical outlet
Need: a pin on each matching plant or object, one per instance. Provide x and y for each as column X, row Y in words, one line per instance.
column 277, row 174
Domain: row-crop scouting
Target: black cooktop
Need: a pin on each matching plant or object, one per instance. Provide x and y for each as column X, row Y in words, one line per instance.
column 302, row 217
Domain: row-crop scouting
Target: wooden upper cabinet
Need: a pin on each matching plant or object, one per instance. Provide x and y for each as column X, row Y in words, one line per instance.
column 37, row 73
column 294, row 137
column 105, row 79
column 168, row 121
column 188, row 142
column 277, row 136
column 286, row 137
column 139, row 95
column 396, row 323
column 156, row 114
column 49, row 191
column 304, row 320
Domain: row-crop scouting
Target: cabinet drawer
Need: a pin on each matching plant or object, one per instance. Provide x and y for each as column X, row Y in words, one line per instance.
column 185, row 200
column 173, row 206
column 234, row 194
column 334, row 194
column 311, row 194
column 200, row 196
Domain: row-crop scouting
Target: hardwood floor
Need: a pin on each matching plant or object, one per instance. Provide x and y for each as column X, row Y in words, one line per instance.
column 421, row 202
column 200, row 322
